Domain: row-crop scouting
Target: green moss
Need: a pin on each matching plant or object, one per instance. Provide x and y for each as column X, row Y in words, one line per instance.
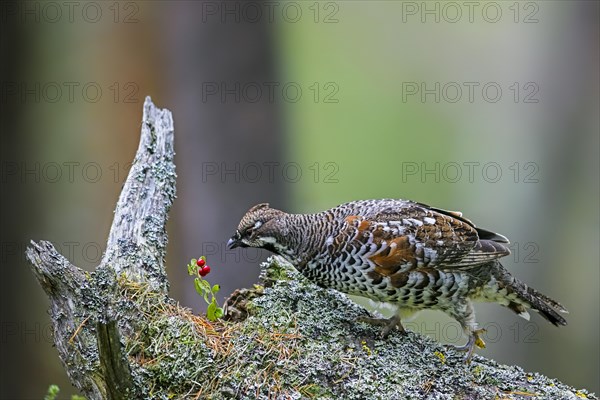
column 54, row 390
column 300, row 341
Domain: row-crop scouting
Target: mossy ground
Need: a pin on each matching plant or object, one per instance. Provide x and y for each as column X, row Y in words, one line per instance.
column 301, row 341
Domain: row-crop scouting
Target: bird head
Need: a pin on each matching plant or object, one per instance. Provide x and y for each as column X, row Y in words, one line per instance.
column 260, row 228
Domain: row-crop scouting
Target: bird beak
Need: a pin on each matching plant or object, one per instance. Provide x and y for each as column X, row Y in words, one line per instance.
column 232, row 243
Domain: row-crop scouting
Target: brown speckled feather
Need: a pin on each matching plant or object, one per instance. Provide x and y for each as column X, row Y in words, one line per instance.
column 399, row 252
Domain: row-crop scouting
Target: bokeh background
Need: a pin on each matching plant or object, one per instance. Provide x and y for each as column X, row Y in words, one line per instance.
column 489, row 108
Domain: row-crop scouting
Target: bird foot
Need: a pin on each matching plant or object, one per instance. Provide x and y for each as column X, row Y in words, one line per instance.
column 474, row 340
column 388, row 324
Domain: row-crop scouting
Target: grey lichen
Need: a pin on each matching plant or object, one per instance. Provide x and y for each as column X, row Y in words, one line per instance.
column 293, row 340
column 301, row 341
column 142, row 210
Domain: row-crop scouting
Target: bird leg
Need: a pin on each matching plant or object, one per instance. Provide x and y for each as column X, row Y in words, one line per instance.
column 474, row 340
column 388, row 324
column 464, row 313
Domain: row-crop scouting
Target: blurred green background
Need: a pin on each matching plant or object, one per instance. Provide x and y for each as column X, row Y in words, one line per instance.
column 491, row 109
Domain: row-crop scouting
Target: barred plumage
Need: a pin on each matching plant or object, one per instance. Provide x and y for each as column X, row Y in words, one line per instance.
column 398, row 252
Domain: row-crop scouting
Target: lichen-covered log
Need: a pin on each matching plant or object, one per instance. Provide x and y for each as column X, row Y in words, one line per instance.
column 298, row 340
column 120, row 336
column 83, row 306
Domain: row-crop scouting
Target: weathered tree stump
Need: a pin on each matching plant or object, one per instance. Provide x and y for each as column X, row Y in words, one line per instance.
column 120, row 336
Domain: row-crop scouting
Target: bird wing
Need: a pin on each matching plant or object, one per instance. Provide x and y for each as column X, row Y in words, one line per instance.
column 417, row 236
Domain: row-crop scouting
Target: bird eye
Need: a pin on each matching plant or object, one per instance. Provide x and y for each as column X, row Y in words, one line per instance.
column 250, row 232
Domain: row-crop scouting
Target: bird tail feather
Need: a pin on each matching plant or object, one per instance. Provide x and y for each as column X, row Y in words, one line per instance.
column 528, row 297
column 547, row 307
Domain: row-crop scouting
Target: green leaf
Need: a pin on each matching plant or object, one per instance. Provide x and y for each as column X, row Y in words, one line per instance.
column 199, row 289
column 219, row 312
column 215, row 289
column 210, row 311
column 204, row 284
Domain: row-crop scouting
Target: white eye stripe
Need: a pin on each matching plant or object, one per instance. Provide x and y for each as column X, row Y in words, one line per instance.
column 257, row 225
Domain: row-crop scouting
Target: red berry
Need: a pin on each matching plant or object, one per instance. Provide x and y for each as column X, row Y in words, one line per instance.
column 200, row 262
column 205, row 270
